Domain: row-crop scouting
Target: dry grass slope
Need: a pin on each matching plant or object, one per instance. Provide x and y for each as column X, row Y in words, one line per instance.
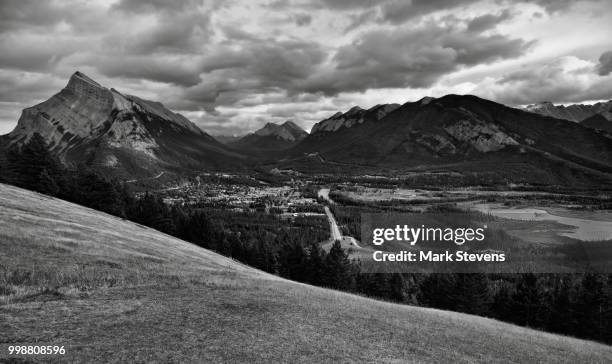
column 113, row 291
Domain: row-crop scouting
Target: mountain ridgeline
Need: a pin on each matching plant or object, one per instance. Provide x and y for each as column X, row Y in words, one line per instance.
column 576, row 112
column 86, row 123
column 598, row 122
column 126, row 136
column 462, row 134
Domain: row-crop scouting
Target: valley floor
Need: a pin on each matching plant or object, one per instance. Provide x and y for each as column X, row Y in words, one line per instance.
column 111, row 290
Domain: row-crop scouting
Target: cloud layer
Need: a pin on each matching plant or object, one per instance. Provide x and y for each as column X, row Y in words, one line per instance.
column 231, row 66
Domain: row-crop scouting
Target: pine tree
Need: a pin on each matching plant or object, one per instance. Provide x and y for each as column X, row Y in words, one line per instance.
column 397, row 288
column 293, row 262
column 99, row 193
column 316, row 265
column 529, row 301
column 563, row 315
column 592, row 307
column 27, row 163
column 503, row 302
column 471, row 294
column 436, row 290
column 47, row 184
column 338, row 269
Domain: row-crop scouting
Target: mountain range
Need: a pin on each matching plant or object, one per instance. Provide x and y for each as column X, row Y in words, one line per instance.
column 575, row 112
column 272, row 137
column 86, row 123
column 463, row 134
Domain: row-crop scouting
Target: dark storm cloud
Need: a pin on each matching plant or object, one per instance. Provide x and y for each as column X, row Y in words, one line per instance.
column 420, row 57
column 554, row 6
column 257, row 66
column 15, row 14
column 302, row 19
column 168, row 48
column 178, row 33
column 604, row 67
column 18, row 87
column 564, row 80
column 34, row 54
column 178, row 71
column 140, row 6
column 347, row 4
column 41, row 16
column 488, row 21
column 359, row 19
column 399, row 11
column 271, row 60
column 246, row 65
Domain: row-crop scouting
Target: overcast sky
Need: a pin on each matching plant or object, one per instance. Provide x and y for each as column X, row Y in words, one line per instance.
column 232, row 66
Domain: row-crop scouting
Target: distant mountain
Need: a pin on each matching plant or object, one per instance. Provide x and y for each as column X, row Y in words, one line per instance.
column 598, row 122
column 272, row 137
column 86, row 123
column 464, row 134
column 577, row 112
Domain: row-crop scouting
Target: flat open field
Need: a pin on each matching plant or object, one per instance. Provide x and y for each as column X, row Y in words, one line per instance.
column 112, row 291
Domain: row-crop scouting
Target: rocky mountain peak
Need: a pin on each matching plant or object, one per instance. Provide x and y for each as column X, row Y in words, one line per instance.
column 291, row 124
column 271, row 137
column 354, row 110
column 87, row 121
column 426, row 100
column 79, row 79
column 287, row 131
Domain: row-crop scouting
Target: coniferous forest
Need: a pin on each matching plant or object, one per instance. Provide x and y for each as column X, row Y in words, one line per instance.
column 578, row 305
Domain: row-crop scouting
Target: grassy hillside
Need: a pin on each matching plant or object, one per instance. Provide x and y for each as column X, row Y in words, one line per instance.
column 110, row 290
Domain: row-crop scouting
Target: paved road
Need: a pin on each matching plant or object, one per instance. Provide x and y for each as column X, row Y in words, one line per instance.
column 324, row 193
column 335, row 231
column 336, row 234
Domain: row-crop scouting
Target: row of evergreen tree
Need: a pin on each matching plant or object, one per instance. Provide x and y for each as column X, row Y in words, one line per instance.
column 578, row 305
column 572, row 304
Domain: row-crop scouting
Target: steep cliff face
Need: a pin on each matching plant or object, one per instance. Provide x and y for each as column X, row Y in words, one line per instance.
column 75, row 113
column 484, row 137
column 88, row 123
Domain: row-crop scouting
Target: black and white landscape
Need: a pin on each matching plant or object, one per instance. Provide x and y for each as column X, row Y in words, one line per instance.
column 187, row 181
